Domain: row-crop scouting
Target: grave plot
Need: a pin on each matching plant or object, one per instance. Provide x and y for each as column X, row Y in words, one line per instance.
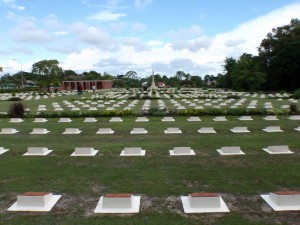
column 105, row 131
column 16, row 120
column 39, row 131
column 297, row 128
column 207, row 130
column 231, row 150
column 270, row 118
column 272, row 129
column 133, row 151
column 35, row 202
column 40, row 120
column 283, row 200
column 194, row 119
column 37, row 151
column 72, row 131
column 84, row 151
column 168, row 119
column 138, row 131
column 220, row 118
column 279, row 149
column 245, row 118
column 90, row 120
column 203, row 203
column 116, row 119
column 142, row 119
column 64, row 120
column 118, row 203
column 294, row 117
column 8, row 131
column 173, row 130
column 240, row 130
column 180, row 151
column 3, row 150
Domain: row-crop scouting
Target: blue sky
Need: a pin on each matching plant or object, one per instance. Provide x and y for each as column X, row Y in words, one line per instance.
column 116, row 36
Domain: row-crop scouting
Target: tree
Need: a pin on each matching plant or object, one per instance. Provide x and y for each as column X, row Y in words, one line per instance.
column 228, row 67
column 48, row 71
column 180, row 74
column 279, row 57
column 246, row 74
column 1, row 69
column 131, row 75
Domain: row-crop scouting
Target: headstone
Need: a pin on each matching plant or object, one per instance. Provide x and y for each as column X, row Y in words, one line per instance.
column 270, row 118
column 116, row 119
column 283, row 200
column 64, row 120
column 3, row 150
column 118, row 203
column 168, row 119
column 8, row 131
column 203, row 203
column 273, row 129
column 90, row 120
column 240, row 130
column 194, row 119
column 142, row 119
column 207, row 130
column 40, row 120
column 232, row 150
column 37, row 151
column 138, row 131
column 173, row 130
column 39, row 131
column 181, row 151
column 72, row 131
column 133, row 151
column 245, row 118
column 35, row 202
column 16, row 120
column 220, row 118
column 279, row 149
column 84, row 151
column 105, row 131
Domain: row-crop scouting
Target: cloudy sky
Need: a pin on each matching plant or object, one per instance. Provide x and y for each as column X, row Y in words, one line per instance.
column 116, row 36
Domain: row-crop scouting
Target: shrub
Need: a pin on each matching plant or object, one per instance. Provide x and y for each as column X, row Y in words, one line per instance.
column 297, row 94
column 293, row 108
column 17, row 110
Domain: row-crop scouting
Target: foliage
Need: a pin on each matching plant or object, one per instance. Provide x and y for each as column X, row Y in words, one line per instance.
column 279, row 56
column 16, row 110
column 297, row 94
column 49, row 73
column 14, row 99
column 294, row 108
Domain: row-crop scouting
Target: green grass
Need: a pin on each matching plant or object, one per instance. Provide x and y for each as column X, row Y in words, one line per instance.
column 157, row 176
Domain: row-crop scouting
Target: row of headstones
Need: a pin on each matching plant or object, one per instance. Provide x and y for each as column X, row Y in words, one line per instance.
column 129, row 203
column 138, row 151
column 164, row 119
column 170, row 130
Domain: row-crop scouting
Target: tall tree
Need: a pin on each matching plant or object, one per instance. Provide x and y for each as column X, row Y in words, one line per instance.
column 48, row 71
column 279, row 55
column 246, row 74
column 228, row 68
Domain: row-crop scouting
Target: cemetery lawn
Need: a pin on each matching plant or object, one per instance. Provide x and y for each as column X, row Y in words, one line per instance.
column 157, row 177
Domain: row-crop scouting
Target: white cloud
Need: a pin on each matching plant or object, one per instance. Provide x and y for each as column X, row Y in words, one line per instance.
column 139, row 4
column 137, row 44
column 30, row 33
column 192, row 45
column 12, row 4
column 106, row 16
column 60, row 33
column 138, row 27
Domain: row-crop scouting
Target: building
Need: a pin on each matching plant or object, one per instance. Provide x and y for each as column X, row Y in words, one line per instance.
column 87, row 84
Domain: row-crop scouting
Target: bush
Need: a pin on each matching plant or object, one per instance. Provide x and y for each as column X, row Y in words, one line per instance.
column 297, row 94
column 293, row 108
column 14, row 99
column 17, row 110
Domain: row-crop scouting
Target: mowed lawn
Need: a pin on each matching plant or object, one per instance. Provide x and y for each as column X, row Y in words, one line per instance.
column 159, row 178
